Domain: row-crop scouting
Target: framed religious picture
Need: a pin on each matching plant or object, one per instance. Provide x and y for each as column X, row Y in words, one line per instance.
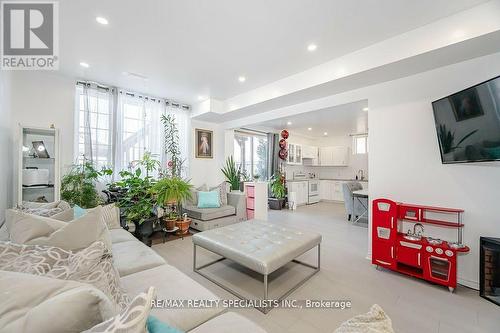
column 466, row 104
column 204, row 143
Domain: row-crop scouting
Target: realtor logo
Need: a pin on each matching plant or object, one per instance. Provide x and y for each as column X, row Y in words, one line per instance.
column 30, row 35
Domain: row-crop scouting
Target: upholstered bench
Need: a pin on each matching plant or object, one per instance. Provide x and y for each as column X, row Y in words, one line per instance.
column 260, row 246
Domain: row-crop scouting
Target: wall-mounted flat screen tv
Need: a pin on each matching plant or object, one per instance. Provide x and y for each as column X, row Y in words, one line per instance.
column 468, row 124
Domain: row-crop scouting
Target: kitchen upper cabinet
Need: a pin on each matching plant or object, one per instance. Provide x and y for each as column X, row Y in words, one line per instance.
column 310, row 155
column 334, row 156
column 294, row 154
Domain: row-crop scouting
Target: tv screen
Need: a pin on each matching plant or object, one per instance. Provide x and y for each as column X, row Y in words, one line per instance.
column 468, row 124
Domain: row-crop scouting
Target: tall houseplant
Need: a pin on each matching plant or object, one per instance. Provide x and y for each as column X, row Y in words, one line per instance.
column 232, row 173
column 171, row 146
column 278, row 191
column 78, row 187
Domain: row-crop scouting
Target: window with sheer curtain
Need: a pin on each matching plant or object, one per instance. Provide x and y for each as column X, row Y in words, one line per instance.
column 250, row 152
column 138, row 129
column 94, row 119
column 115, row 134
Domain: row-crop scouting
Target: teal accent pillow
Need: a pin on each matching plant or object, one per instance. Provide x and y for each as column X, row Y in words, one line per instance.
column 208, row 199
column 154, row 325
column 78, row 212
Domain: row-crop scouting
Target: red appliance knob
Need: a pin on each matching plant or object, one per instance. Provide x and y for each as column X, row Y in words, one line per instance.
column 429, row 249
column 439, row 251
column 449, row 253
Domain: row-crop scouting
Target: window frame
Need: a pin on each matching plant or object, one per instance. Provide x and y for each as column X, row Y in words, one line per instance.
column 355, row 139
column 253, row 164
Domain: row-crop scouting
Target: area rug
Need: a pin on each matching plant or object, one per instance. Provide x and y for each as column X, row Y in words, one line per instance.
column 375, row 321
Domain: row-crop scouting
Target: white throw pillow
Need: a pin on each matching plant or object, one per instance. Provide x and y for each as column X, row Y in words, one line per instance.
column 22, row 227
column 111, row 216
column 132, row 319
column 74, row 235
column 32, row 303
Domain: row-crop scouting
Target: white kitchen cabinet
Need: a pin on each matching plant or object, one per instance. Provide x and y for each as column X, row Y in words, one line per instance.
column 294, row 154
column 331, row 190
column 301, row 191
column 338, row 194
column 334, row 156
column 309, row 152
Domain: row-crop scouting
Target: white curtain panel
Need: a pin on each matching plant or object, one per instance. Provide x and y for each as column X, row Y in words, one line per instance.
column 94, row 123
column 138, row 129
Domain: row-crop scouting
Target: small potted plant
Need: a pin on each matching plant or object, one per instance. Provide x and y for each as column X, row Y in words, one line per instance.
column 278, row 191
column 232, row 173
column 169, row 193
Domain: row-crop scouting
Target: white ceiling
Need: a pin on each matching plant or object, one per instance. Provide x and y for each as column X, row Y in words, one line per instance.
column 336, row 121
column 195, row 47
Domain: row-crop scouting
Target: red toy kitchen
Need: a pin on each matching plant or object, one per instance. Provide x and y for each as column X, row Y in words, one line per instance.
column 411, row 253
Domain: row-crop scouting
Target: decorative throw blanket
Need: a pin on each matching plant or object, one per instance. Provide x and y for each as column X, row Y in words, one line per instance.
column 375, row 321
column 93, row 265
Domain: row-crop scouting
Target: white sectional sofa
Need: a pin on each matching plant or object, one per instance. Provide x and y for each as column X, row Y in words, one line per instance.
column 140, row 267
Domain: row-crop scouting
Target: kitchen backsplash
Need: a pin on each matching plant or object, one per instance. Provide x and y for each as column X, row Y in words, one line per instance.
column 356, row 163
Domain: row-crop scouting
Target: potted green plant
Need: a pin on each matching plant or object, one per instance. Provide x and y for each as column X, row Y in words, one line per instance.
column 78, row 187
column 169, row 193
column 232, row 173
column 171, row 146
column 278, row 191
column 136, row 202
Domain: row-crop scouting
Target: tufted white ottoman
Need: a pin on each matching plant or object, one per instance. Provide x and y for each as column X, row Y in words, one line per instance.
column 260, row 246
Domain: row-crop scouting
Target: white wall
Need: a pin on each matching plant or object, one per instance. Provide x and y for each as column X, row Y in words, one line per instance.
column 6, row 192
column 405, row 162
column 207, row 170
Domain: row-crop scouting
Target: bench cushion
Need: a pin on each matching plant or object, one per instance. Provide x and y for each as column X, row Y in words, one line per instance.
column 260, row 246
column 172, row 284
column 133, row 256
column 207, row 214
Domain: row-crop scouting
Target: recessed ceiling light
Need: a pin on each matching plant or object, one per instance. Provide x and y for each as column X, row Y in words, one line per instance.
column 366, row 109
column 312, row 47
column 201, row 98
column 101, row 20
column 84, row 64
column 309, row 129
column 326, row 133
column 289, row 123
column 242, row 79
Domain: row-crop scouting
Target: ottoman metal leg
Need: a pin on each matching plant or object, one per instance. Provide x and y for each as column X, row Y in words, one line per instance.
column 266, row 277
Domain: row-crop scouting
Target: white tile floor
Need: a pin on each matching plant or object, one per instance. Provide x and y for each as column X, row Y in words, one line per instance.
column 413, row 305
